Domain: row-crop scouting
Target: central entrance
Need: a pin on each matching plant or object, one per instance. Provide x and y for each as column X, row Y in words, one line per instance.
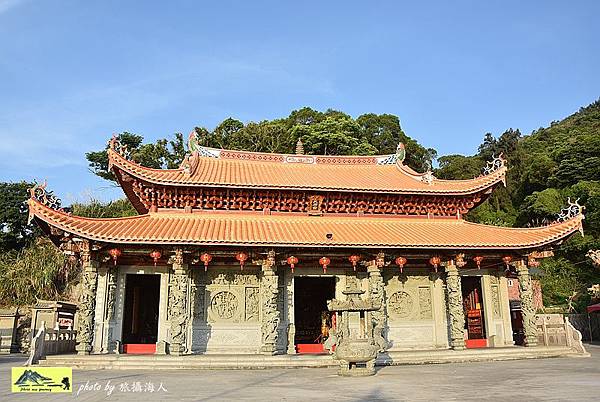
column 474, row 317
column 311, row 317
column 140, row 319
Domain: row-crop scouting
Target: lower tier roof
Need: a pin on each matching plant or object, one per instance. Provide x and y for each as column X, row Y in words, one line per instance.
column 181, row 228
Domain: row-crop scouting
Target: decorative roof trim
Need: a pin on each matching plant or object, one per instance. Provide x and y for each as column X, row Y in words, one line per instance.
column 399, row 233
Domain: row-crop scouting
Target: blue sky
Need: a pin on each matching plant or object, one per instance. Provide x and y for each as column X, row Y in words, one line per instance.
column 74, row 72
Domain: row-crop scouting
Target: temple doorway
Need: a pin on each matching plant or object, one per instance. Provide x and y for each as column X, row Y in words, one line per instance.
column 140, row 319
column 311, row 317
column 474, row 315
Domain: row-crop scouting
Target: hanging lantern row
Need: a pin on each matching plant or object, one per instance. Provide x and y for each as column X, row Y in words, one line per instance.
column 401, row 262
column 354, row 259
column 435, row 261
column 478, row 259
column 206, row 259
column 292, row 261
column 241, row 257
column 324, row 261
column 115, row 253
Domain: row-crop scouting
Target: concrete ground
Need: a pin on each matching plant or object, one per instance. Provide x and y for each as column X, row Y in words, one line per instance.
column 558, row 379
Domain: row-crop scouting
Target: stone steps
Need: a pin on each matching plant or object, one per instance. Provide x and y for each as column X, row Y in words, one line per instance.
column 235, row 362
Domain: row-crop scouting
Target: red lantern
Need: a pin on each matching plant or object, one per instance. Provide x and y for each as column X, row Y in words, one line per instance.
column 241, row 257
column 478, row 259
column 400, row 262
column 435, row 261
column 324, row 261
column 205, row 258
column 292, row 261
column 115, row 253
column 506, row 260
column 155, row 254
column 354, row 259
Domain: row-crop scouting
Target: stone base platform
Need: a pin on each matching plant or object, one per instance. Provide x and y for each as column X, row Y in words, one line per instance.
column 235, row 362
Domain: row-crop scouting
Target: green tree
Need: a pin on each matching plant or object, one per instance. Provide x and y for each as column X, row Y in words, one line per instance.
column 15, row 233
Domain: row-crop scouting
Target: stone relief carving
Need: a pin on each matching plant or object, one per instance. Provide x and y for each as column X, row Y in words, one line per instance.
column 455, row 307
column 199, row 297
column 252, row 304
column 111, row 295
column 177, row 310
column 527, row 306
column 87, row 305
column 425, row 312
column 401, row 304
column 233, row 279
column 224, row 305
column 270, row 314
column 495, row 301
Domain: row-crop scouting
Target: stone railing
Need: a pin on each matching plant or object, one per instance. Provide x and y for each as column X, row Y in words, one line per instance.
column 556, row 330
column 59, row 341
column 51, row 342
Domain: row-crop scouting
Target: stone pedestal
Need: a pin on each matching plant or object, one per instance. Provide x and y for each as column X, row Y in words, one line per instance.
column 456, row 313
column 87, row 301
column 527, row 305
column 270, row 315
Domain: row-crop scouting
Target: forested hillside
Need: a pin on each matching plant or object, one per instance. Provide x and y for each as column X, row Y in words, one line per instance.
column 545, row 168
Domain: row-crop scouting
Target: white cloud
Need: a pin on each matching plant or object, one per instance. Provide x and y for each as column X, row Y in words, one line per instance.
column 6, row 5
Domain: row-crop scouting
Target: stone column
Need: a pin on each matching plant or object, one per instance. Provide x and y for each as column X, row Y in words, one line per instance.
column 268, row 297
column 177, row 308
column 456, row 313
column 376, row 293
column 111, row 298
column 87, row 300
column 527, row 307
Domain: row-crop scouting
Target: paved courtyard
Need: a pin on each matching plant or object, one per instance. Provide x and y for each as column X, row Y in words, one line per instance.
column 557, row 379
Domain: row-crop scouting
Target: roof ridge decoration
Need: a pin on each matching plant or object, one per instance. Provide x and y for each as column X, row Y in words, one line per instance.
column 45, row 197
column 495, row 164
column 571, row 211
column 115, row 144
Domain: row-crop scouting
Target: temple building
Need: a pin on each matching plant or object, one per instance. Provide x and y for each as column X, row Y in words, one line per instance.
column 240, row 252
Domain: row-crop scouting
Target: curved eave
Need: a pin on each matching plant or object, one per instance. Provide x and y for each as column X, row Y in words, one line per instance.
column 206, row 229
column 382, row 179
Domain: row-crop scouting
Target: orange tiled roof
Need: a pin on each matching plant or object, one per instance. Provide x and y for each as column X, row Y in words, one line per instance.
column 240, row 169
column 303, row 231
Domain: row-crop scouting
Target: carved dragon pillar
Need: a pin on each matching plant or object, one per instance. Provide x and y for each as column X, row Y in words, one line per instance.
column 527, row 306
column 268, row 297
column 177, row 308
column 376, row 293
column 455, row 307
column 87, row 299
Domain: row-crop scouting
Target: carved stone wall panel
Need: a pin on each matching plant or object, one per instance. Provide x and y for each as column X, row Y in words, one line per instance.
column 225, row 304
column 495, row 301
column 199, row 302
column 252, row 312
column 425, row 307
column 402, row 304
column 411, row 336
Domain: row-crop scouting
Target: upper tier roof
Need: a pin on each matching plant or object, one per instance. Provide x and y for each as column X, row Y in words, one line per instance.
column 209, row 167
column 245, row 229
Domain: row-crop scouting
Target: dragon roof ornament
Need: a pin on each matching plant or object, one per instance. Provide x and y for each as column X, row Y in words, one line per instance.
column 571, row 211
column 39, row 193
column 119, row 148
column 495, row 164
column 392, row 159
